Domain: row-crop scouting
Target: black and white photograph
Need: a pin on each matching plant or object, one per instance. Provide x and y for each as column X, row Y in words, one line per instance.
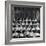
column 24, row 22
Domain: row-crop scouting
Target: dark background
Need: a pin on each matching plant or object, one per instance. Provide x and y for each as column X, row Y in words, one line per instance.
column 24, row 12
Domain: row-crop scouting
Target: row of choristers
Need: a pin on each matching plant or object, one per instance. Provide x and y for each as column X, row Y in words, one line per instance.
column 29, row 31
